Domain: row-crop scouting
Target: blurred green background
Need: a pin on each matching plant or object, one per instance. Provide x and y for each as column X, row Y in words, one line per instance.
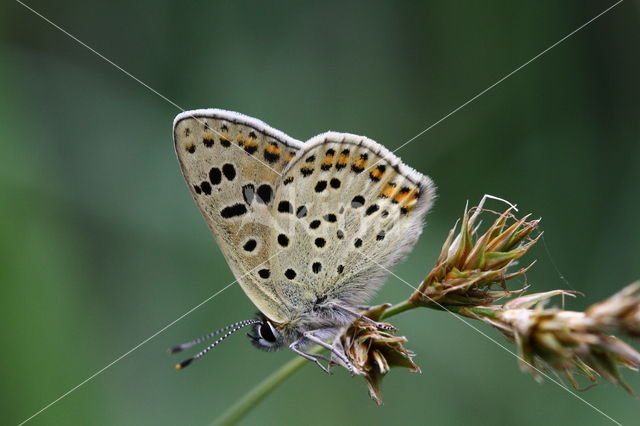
column 102, row 246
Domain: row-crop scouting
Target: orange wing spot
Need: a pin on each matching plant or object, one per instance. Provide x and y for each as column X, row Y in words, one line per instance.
column 343, row 159
column 403, row 195
column 389, row 190
column 272, row 148
column 207, row 140
column 249, row 145
column 377, row 173
column 412, row 198
column 290, row 156
column 328, row 160
column 271, row 152
column 360, row 164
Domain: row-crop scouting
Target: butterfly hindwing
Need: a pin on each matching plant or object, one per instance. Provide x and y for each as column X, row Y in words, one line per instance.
column 346, row 209
column 232, row 164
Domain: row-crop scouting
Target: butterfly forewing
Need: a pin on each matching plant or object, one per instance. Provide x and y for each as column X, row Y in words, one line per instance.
column 232, row 164
column 345, row 209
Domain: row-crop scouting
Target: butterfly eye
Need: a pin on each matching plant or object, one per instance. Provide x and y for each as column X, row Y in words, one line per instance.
column 266, row 332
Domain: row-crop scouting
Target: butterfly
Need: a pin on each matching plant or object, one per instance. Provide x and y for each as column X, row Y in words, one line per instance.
column 308, row 229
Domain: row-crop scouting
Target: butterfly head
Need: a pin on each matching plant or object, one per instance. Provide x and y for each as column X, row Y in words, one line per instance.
column 266, row 335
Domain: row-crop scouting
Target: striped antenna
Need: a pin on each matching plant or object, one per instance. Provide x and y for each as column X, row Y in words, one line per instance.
column 230, row 329
column 187, row 345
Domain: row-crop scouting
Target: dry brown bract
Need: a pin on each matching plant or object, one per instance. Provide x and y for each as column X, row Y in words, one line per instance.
column 570, row 342
column 470, row 277
column 470, row 266
column 373, row 351
column 620, row 312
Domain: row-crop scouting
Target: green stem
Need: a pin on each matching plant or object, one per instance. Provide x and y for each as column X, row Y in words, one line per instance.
column 464, row 310
column 258, row 393
column 398, row 308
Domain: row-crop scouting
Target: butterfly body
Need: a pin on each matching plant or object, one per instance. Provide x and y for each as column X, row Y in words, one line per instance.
column 308, row 229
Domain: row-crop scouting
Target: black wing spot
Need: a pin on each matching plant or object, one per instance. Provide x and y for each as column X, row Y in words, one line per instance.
column 234, row 210
column 248, row 193
column 250, row 245
column 321, row 185
column 320, row 242
column 251, row 148
column 271, row 158
column 335, row 183
column 265, row 193
column 229, row 171
column 301, row 212
column 314, row 224
column 285, row 207
column 207, row 141
column 330, row 217
column 215, row 176
column 385, row 213
column 197, row 189
column 206, row 187
column 290, row 273
column 225, row 142
column 380, row 235
column 340, row 269
column 264, row 273
column 224, row 128
column 306, row 171
column 340, row 234
column 358, row 201
column 357, row 243
column 316, row 267
column 310, row 159
column 190, row 149
column 252, row 134
column 288, row 180
column 372, row 209
column 283, row 240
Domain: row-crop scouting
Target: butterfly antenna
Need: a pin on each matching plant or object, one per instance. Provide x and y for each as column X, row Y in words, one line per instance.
column 187, row 345
column 230, row 329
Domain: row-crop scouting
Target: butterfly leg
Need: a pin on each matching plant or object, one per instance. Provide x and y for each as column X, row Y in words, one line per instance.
column 341, row 356
column 363, row 307
column 349, row 311
column 315, row 358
